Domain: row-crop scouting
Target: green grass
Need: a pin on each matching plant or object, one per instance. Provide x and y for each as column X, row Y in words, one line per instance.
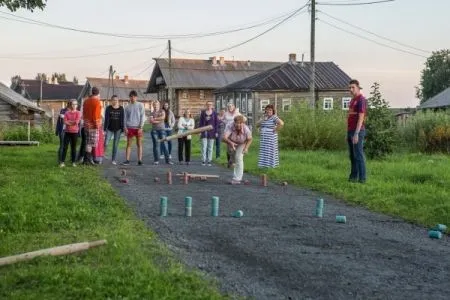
column 43, row 206
column 415, row 187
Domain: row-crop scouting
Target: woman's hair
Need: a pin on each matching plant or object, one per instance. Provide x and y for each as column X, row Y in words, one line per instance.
column 166, row 118
column 270, row 106
column 239, row 119
column 189, row 115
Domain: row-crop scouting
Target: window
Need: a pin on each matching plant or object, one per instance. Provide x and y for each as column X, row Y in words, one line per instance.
column 202, row 94
column 286, row 104
column 184, row 95
column 327, row 103
column 346, row 102
column 264, row 103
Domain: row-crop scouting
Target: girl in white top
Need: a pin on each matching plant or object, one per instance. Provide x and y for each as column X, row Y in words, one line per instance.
column 185, row 122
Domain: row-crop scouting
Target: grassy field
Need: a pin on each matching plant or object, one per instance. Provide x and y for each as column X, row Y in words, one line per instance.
column 43, row 206
column 415, row 187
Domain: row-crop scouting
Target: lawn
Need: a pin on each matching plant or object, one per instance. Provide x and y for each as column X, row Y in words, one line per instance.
column 44, row 206
column 415, row 187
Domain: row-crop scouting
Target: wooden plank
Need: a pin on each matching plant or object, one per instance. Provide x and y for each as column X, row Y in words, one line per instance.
column 26, row 143
column 199, row 175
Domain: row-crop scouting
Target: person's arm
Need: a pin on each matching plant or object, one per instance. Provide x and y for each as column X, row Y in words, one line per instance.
column 180, row 124
column 66, row 119
column 249, row 140
column 77, row 118
column 105, row 124
column 361, row 110
column 171, row 119
column 191, row 124
column 202, row 119
column 98, row 115
column 279, row 124
column 122, row 119
column 125, row 129
column 142, row 117
column 160, row 118
column 226, row 138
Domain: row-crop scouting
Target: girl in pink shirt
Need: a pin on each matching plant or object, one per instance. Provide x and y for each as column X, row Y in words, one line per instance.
column 72, row 121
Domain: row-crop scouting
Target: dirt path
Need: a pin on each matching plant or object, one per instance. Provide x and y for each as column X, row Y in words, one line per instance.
column 278, row 250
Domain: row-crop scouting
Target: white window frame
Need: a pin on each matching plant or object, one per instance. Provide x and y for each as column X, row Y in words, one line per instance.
column 263, row 103
column 344, row 101
column 286, row 102
column 327, row 100
column 202, row 94
column 184, row 95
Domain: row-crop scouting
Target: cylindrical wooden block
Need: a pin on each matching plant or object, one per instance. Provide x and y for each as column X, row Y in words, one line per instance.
column 163, row 207
column 185, row 178
column 215, row 206
column 188, row 206
column 264, row 180
column 169, row 177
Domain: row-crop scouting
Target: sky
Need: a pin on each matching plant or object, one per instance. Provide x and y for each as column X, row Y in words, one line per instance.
column 419, row 26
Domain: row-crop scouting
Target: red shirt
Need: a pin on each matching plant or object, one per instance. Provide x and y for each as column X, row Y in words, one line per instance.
column 74, row 116
column 357, row 106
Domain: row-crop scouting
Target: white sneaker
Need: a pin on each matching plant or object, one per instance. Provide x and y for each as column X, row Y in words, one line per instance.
column 114, row 162
column 161, row 157
column 74, row 165
column 170, row 156
column 62, row 165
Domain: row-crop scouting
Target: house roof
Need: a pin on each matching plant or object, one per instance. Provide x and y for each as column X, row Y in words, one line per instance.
column 197, row 73
column 118, row 87
column 440, row 100
column 293, row 77
column 17, row 100
column 32, row 90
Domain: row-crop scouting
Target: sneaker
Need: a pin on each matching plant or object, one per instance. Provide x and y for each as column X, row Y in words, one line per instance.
column 74, row 164
column 161, row 157
column 114, row 162
column 156, row 163
column 140, row 163
column 209, row 164
column 126, row 163
column 170, row 156
column 235, row 182
column 81, row 160
column 62, row 165
column 203, row 163
column 170, row 162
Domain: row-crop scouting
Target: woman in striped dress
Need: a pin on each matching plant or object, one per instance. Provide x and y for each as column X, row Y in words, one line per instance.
column 268, row 144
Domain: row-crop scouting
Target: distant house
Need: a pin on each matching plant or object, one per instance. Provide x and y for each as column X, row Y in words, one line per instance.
column 285, row 85
column 119, row 87
column 51, row 96
column 193, row 80
column 16, row 107
column 440, row 101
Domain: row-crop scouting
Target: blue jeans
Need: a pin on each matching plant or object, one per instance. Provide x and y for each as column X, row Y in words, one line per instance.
column 218, row 141
column 159, row 134
column 356, row 151
column 169, row 143
column 116, row 139
column 61, row 145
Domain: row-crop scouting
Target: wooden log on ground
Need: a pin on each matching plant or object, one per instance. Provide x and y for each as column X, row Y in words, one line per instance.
column 55, row 251
column 186, row 133
column 198, row 175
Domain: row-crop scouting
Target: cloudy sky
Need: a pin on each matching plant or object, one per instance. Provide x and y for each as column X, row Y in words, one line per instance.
column 386, row 42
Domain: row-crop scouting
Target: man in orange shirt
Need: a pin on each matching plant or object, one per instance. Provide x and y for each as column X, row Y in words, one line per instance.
column 92, row 118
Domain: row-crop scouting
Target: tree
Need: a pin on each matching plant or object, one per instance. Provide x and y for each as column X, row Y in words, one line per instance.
column 15, row 80
column 61, row 77
column 41, row 76
column 75, row 79
column 14, row 5
column 435, row 77
column 380, row 125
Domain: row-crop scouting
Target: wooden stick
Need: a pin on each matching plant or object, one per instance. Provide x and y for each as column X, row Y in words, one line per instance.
column 55, row 251
column 198, row 175
column 186, row 133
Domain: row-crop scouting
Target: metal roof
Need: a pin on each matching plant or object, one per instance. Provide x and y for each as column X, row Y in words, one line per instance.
column 15, row 99
column 208, row 74
column 293, row 77
column 440, row 100
column 63, row 91
column 118, row 87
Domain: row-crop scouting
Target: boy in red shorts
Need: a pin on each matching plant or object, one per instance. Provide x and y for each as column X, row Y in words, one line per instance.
column 134, row 119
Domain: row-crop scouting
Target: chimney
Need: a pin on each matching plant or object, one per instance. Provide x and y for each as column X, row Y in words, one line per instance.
column 125, row 79
column 222, row 61
column 292, row 58
column 117, row 77
column 303, row 57
column 249, row 63
column 214, row 60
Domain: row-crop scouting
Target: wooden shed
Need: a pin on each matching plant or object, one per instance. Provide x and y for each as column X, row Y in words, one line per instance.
column 14, row 106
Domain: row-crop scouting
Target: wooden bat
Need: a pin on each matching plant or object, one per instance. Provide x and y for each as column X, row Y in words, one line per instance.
column 55, row 251
column 186, row 133
column 198, row 175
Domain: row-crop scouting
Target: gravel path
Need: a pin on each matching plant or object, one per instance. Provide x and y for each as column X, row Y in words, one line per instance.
column 278, row 250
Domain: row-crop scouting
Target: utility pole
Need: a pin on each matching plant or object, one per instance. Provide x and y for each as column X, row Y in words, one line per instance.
column 169, row 85
column 312, row 50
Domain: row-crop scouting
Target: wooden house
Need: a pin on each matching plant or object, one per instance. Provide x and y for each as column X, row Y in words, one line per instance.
column 285, row 85
column 193, row 81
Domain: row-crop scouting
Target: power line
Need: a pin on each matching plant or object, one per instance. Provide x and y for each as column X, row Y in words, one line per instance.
column 80, row 56
column 371, row 40
column 152, row 64
column 140, row 36
column 374, row 34
column 352, row 4
column 295, row 13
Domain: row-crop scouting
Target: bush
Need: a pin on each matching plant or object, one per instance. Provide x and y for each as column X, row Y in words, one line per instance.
column 15, row 132
column 427, row 132
column 312, row 129
column 381, row 127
